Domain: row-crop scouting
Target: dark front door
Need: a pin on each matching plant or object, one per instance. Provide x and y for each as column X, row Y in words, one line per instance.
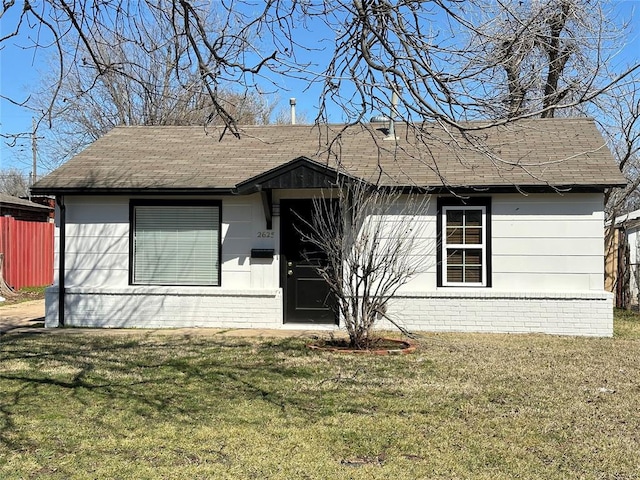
column 307, row 298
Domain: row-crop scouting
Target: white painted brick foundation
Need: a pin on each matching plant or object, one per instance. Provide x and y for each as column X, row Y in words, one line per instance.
column 166, row 307
column 588, row 314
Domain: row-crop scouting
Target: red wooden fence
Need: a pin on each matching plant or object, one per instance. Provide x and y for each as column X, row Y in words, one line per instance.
column 28, row 252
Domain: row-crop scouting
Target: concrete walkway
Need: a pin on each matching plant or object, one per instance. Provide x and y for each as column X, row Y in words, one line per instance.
column 28, row 317
column 25, row 315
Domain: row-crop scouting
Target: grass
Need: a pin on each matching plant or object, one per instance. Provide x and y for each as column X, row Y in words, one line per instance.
column 626, row 324
column 144, row 405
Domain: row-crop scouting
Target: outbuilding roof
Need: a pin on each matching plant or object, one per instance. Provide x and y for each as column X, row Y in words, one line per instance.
column 535, row 153
column 7, row 200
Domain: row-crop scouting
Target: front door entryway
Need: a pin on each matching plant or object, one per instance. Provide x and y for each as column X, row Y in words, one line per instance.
column 307, row 297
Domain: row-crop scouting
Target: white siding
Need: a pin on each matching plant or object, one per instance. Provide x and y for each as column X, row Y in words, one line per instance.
column 97, row 272
column 424, row 229
column 516, row 246
column 547, row 271
column 548, row 242
column 540, row 243
column 243, row 229
column 97, row 241
column 633, row 238
column 236, row 242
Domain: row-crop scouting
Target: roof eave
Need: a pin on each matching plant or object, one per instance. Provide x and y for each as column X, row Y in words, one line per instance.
column 466, row 189
column 131, row 191
column 539, row 188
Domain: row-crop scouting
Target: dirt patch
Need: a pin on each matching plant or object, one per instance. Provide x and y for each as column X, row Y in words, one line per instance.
column 22, row 296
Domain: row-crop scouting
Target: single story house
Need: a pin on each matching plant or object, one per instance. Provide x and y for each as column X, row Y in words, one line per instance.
column 190, row 227
column 622, row 259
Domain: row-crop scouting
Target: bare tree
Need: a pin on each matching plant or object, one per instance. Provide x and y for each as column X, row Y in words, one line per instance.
column 620, row 122
column 283, row 117
column 373, row 241
column 445, row 60
column 14, row 182
column 149, row 88
column 557, row 57
column 545, row 56
column 358, row 50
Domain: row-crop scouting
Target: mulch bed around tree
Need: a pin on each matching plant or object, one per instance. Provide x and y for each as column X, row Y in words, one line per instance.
column 377, row 346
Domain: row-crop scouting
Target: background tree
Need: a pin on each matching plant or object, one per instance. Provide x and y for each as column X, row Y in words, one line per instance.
column 14, row 182
column 167, row 63
column 447, row 61
column 546, row 56
column 558, row 58
column 620, row 121
column 357, row 50
column 148, row 88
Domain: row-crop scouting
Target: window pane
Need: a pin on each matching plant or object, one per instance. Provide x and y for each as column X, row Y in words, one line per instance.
column 454, row 236
column 454, row 273
column 464, row 244
column 176, row 245
column 454, row 218
column 473, row 257
column 472, row 274
column 473, row 236
column 454, row 257
column 473, row 218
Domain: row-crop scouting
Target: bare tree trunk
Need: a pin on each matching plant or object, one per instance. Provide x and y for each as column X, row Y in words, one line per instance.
column 5, row 290
column 558, row 55
column 623, row 274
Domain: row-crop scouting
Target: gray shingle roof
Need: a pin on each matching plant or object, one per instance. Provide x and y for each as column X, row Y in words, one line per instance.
column 530, row 153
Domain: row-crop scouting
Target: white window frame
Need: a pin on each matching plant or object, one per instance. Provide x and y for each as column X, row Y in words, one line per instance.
column 180, row 270
column 482, row 246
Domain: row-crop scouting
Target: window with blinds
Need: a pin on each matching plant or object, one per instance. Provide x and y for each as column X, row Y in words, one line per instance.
column 176, row 244
column 463, row 243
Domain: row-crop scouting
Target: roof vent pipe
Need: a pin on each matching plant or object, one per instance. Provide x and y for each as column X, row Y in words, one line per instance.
column 379, row 119
column 392, row 115
column 292, row 102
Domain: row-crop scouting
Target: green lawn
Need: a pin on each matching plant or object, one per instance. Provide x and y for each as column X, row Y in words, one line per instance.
column 145, row 405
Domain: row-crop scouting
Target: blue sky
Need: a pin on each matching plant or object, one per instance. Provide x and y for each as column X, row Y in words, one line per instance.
column 19, row 74
column 20, row 67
